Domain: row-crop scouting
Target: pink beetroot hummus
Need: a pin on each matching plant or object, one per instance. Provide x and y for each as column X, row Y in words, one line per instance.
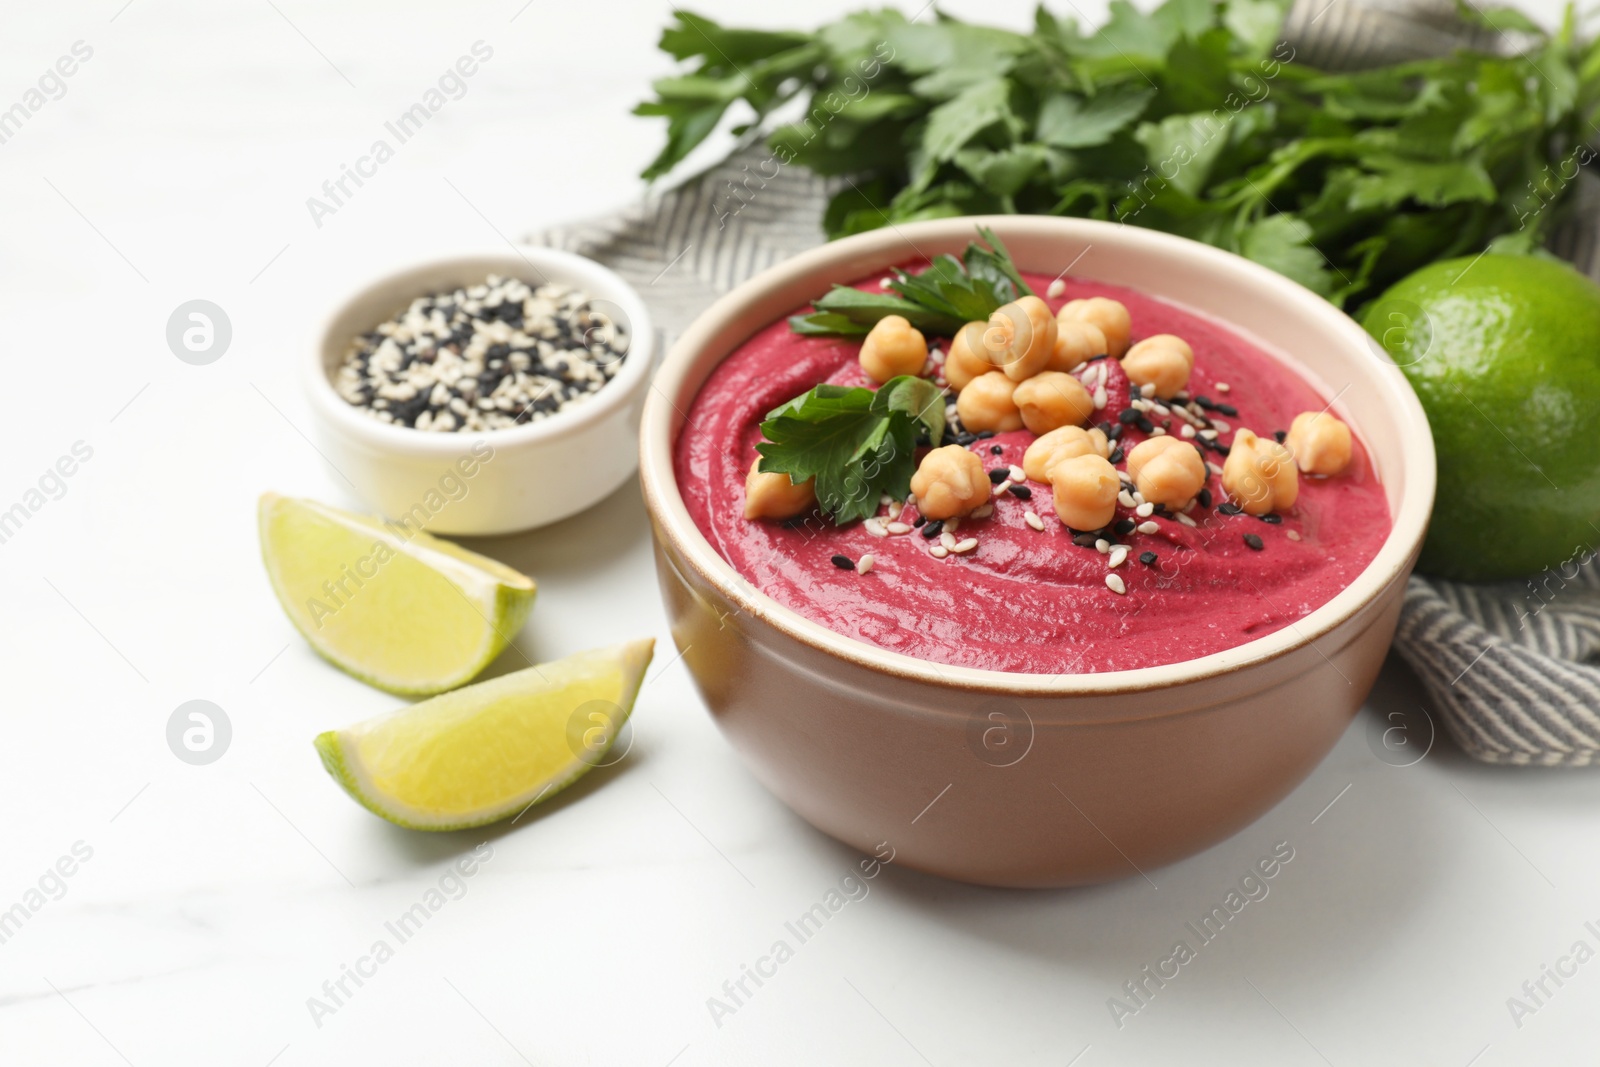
column 1025, row 600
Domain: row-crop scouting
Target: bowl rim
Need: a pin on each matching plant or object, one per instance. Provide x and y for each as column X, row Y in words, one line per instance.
column 664, row 501
column 552, row 264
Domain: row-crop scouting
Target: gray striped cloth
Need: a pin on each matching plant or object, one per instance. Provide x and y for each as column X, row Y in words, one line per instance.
column 1510, row 667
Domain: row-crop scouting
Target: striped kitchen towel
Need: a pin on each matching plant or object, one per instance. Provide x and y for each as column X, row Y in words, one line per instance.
column 1511, row 668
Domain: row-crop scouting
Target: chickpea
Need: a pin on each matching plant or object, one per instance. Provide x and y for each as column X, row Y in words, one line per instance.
column 987, row 403
column 1167, row 470
column 950, row 481
column 966, row 359
column 894, row 347
column 1067, row 442
column 1076, row 343
column 1163, row 361
column 1107, row 314
column 1320, row 443
column 1086, row 490
column 1051, row 400
column 1260, row 474
column 772, row 495
column 1021, row 338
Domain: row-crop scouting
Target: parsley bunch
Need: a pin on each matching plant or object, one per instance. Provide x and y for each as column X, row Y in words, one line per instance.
column 1194, row 119
column 858, row 443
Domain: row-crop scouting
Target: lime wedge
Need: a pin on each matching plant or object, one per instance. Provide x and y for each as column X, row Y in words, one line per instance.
column 388, row 603
column 491, row 750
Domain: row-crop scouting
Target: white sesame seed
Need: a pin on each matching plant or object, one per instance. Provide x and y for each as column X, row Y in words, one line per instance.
column 1149, row 527
column 895, row 529
column 938, row 552
column 1187, row 432
column 951, row 525
column 1147, row 390
column 1138, row 497
column 864, row 564
column 1114, row 582
column 1038, row 523
column 983, row 512
column 886, row 500
column 1001, row 488
column 1100, row 397
column 875, row 527
column 1293, row 535
column 1224, row 387
column 1139, row 405
column 1017, row 475
column 1145, row 510
column 947, row 539
column 1125, row 498
column 1118, row 557
column 962, row 547
column 1159, row 431
column 1221, row 426
column 1187, row 521
column 1102, row 546
column 1213, row 468
column 1160, row 408
column 1056, row 288
column 1208, row 434
column 884, row 283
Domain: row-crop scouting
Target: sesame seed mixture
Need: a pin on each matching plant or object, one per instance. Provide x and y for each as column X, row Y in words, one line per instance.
column 484, row 357
column 1008, row 586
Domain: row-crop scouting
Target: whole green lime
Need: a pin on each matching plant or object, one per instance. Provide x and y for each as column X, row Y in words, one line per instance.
column 1504, row 352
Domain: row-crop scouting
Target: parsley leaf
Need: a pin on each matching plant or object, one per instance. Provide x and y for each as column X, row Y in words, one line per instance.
column 857, row 443
column 938, row 300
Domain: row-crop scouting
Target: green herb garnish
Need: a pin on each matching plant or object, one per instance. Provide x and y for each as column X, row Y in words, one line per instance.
column 1193, row 118
column 856, row 442
column 938, row 300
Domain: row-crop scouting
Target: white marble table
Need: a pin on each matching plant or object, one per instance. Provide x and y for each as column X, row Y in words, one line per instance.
column 206, row 905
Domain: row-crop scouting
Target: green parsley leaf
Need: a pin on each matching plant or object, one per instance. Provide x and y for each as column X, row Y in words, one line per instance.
column 856, row 442
column 938, row 300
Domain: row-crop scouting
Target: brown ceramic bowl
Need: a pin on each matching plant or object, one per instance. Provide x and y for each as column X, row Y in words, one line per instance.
column 1022, row 779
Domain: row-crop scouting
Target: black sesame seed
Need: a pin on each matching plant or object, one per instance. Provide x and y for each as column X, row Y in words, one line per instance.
column 1085, row 540
column 1117, row 456
column 965, row 438
column 1128, row 416
column 1271, row 518
column 1147, row 558
column 1229, row 509
column 919, row 520
column 1124, row 527
column 1205, row 498
column 984, row 435
column 933, row 529
column 995, row 450
column 1206, row 402
column 844, row 563
column 1021, row 492
column 1254, row 542
column 1107, row 428
column 998, row 475
column 1228, row 410
column 1144, row 424
column 1280, row 435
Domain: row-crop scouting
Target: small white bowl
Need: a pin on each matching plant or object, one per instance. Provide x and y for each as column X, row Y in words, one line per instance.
column 497, row 481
